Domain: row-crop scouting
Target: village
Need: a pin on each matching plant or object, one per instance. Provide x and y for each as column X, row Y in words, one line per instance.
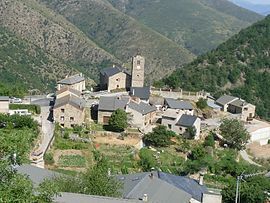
column 75, row 126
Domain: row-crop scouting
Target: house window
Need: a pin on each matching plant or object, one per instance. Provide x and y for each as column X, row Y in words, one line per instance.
column 117, row 86
column 117, row 79
column 62, row 124
column 138, row 63
column 71, row 118
column 138, row 75
column 62, row 110
column 169, row 126
column 72, row 125
column 245, row 109
column 180, row 129
column 62, row 118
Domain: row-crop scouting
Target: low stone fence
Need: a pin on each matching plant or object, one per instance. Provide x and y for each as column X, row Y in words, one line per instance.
column 186, row 95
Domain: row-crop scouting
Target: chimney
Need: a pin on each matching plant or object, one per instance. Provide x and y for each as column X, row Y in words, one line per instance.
column 113, row 66
column 201, row 179
column 151, row 175
column 133, row 91
column 145, row 198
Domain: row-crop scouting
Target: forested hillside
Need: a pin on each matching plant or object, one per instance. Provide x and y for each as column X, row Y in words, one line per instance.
column 240, row 66
column 121, row 35
column 199, row 26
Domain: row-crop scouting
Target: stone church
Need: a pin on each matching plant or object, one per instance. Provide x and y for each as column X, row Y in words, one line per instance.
column 114, row 78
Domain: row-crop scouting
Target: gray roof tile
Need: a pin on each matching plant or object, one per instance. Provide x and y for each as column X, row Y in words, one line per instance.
column 239, row 103
column 140, row 92
column 225, row 99
column 141, row 107
column 71, row 80
column 112, row 71
column 112, row 103
column 186, row 120
column 176, row 104
column 157, row 190
column 70, row 99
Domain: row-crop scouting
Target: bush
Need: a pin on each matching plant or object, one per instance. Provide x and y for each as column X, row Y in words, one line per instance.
column 209, row 140
column 201, row 103
column 48, row 158
column 118, row 121
column 147, row 161
column 160, row 137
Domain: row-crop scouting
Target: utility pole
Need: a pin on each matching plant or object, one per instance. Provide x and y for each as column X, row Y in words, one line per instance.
column 238, row 182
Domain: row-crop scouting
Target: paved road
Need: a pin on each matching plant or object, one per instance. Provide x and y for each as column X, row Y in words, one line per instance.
column 246, row 157
column 47, row 131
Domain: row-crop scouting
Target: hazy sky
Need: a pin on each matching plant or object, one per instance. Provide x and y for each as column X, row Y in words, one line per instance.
column 259, row 1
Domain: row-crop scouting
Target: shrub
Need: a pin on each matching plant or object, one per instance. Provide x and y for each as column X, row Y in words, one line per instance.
column 118, row 121
column 48, row 158
column 201, row 103
column 209, row 140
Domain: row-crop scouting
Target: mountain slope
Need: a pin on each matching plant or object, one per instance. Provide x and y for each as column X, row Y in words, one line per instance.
column 26, row 65
column 121, row 35
column 197, row 25
column 263, row 9
column 52, row 33
column 240, row 66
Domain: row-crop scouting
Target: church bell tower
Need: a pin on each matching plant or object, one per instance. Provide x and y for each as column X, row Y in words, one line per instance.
column 138, row 63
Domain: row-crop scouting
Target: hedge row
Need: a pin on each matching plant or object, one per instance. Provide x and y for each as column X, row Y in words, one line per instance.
column 33, row 108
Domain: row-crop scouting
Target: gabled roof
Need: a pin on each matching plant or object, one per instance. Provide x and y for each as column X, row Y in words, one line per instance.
column 239, row 103
column 64, row 89
column 177, row 104
column 112, row 103
column 66, row 197
column 171, row 113
column 112, row 71
column 71, row 80
column 186, row 120
column 140, row 92
column 70, row 99
column 37, row 175
column 225, row 99
column 4, row 98
column 157, row 190
column 141, row 107
column 187, row 184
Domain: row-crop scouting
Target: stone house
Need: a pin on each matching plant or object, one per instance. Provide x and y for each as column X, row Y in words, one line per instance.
column 187, row 121
column 246, row 110
column 76, row 82
column 4, row 104
column 178, row 122
column 184, row 107
column 142, row 93
column 236, row 105
column 107, row 105
column 69, row 110
column 142, row 114
column 224, row 102
column 67, row 91
column 114, row 78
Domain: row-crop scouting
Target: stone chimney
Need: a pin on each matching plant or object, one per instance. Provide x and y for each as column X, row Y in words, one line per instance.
column 145, row 198
column 133, row 92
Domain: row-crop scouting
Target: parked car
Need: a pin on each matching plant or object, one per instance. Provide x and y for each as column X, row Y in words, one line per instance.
column 15, row 100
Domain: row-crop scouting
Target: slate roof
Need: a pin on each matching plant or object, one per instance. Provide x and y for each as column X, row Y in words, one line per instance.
column 186, row 120
column 140, row 92
column 239, row 103
column 37, row 175
column 4, row 98
column 225, row 99
column 112, row 71
column 71, row 80
column 112, row 103
column 187, row 184
column 157, row 190
column 81, row 198
column 73, row 91
column 177, row 104
column 141, row 107
column 70, row 99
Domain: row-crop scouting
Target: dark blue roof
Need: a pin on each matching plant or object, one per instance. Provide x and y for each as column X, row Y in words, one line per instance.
column 189, row 185
column 140, row 92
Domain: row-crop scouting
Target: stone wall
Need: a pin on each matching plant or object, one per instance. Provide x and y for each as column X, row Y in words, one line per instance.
column 194, row 96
